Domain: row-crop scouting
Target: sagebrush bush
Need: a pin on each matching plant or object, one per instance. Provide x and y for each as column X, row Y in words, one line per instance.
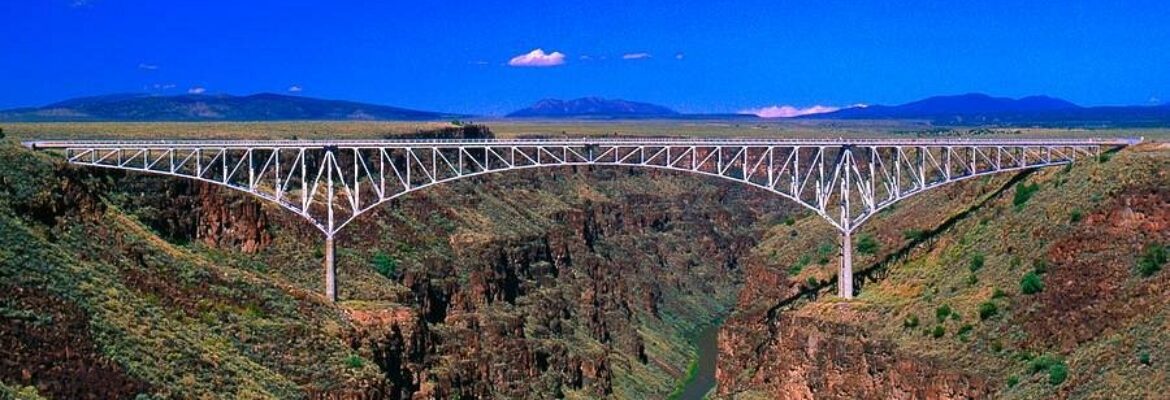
column 987, row 310
column 1152, row 259
column 867, row 244
column 1031, row 283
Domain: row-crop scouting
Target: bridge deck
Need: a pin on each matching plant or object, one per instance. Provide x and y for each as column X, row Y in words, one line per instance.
column 61, row 144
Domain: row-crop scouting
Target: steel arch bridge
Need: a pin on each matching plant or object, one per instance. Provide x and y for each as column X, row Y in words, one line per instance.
column 331, row 183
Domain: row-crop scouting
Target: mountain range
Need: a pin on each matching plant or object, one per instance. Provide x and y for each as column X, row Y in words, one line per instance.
column 200, row 107
column 981, row 109
column 592, row 107
column 965, row 109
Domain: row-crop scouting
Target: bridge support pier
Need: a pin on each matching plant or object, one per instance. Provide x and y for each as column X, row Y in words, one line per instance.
column 845, row 275
column 330, row 271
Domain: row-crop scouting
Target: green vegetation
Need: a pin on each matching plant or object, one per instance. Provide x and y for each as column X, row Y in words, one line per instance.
column 910, row 322
column 354, row 362
column 825, row 252
column 688, row 378
column 976, row 263
column 938, row 331
column 386, row 266
column 1039, row 266
column 1153, row 258
column 801, row 262
column 1012, row 381
column 914, row 235
column 964, row 331
column 942, row 312
column 1024, row 191
column 867, row 244
column 1031, row 283
column 1056, row 368
column 1075, row 215
column 987, row 310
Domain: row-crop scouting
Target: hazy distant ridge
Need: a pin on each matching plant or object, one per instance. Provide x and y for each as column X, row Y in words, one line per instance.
column 257, row 107
column 976, row 108
column 595, row 107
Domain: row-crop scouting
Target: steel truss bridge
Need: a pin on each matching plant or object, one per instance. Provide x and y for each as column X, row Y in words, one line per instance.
column 331, row 183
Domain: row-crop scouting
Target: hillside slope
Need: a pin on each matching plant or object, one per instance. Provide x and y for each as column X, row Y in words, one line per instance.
column 531, row 285
column 1027, row 292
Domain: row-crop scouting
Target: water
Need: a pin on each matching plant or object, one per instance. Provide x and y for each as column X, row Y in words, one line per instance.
column 705, row 374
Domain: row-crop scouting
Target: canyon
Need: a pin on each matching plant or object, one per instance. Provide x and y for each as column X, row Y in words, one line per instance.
column 580, row 283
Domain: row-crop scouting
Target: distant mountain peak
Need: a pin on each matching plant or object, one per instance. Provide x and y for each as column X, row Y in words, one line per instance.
column 591, row 107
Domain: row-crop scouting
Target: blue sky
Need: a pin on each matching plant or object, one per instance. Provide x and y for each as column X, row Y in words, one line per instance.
column 699, row 56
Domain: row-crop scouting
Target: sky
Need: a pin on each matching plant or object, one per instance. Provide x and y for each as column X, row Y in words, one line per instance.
column 490, row 58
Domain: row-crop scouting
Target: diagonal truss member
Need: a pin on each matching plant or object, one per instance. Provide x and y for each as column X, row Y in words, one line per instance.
column 332, row 183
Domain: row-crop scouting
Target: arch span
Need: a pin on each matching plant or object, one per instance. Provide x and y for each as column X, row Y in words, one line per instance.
column 331, row 183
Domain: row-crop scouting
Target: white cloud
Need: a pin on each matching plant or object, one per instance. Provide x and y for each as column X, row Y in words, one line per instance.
column 538, row 58
column 196, row 90
column 679, row 56
column 162, row 86
column 80, row 3
column 585, row 57
column 296, row 89
column 1155, row 100
column 788, row 111
column 635, row 56
column 148, row 67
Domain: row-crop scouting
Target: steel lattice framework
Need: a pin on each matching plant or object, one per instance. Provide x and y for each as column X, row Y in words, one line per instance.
column 332, row 183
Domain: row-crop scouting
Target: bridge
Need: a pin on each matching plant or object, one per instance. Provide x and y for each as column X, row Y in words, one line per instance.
column 330, row 183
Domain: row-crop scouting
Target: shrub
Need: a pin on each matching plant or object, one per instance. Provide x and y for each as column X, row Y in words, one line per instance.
column 789, row 220
column 812, row 282
column 1075, row 216
column 867, row 245
column 998, row 294
column 800, row 264
column 1152, row 259
column 942, row 312
column 976, row 263
column 354, row 361
column 1012, row 381
column 965, row 329
column 1024, row 192
column 910, row 322
column 1144, row 357
column 1039, row 266
column 972, row 280
column 987, row 310
column 938, row 331
column 1057, row 370
column 386, row 266
column 1031, row 283
column 824, row 251
column 1057, row 373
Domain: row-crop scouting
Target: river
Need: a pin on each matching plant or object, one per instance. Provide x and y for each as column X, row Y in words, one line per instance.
column 704, row 380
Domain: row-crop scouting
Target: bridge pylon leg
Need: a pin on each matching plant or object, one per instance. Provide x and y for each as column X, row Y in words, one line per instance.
column 330, row 271
column 845, row 275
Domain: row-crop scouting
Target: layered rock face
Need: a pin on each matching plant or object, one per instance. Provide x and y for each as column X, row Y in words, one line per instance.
column 561, row 282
